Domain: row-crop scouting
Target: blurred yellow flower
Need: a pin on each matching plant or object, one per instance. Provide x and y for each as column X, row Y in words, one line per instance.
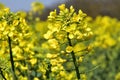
column 117, row 77
column 33, row 61
column 53, row 43
column 36, row 78
column 80, row 59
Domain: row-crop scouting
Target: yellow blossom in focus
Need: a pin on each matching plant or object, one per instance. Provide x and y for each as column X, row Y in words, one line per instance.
column 62, row 7
column 79, row 47
column 71, row 9
column 69, row 49
column 53, row 43
column 71, row 36
column 11, row 34
column 71, row 28
column 53, row 13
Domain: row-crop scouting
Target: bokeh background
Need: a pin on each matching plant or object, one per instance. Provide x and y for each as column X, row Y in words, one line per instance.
column 91, row 7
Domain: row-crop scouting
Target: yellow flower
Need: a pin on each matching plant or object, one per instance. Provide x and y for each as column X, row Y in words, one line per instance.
column 15, row 22
column 90, row 34
column 81, row 14
column 63, row 52
column 71, row 9
column 33, row 61
column 83, row 77
column 71, row 28
column 62, row 7
column 53, row 13
column 23, row 67
column 22, row 78
column 49, row 55
column 79, row 47
column 37, row 7
column 88, row 29
column 78, row 34
column 11, row 34
column 69, row 49
column 7, row 10
column 117, row 77
column 36, row 78
column 54, row 62
column 80, row 59
column 62, row 73
column 53, row 43
column 55, row 69
column 71, row 36
column 48, row 35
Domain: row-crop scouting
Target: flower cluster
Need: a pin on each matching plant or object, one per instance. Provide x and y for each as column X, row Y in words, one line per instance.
column 66, row 32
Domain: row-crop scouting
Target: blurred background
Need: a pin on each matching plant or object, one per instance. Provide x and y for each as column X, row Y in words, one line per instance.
column 91, row 7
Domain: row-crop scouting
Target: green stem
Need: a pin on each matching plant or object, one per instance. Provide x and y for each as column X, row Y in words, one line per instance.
column 1, row 72
column 74, row 59
column 29, row 71
column 11, row 59
column 48, row 71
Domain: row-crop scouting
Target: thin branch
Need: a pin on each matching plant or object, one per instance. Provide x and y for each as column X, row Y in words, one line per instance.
column 92, row 69
column 74, row 59
column 48, row 71
column 1, row 72
column 11, row 56
column 11, row 59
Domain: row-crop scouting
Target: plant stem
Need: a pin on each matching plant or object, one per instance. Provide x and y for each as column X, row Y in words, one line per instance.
column 48, row 71
column 1, row 72
column 11, row 59
column 74, row 59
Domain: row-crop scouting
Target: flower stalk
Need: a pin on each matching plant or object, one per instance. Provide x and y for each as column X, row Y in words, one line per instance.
column 11, row 59
column 74, row 59
column 1, row 72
